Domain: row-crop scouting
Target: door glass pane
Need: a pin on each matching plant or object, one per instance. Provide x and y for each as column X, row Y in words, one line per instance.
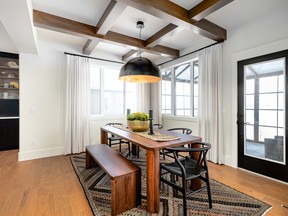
column 268, row 101
column 264, row 110
column 249, row 101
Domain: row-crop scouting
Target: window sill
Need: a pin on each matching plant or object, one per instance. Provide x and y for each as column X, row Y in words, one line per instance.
column 180, row 118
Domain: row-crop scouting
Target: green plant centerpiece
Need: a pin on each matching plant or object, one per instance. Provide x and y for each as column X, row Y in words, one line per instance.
column 138, row 121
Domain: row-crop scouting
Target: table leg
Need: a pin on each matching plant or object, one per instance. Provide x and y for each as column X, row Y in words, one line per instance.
column 153, row 181
column 103, row 137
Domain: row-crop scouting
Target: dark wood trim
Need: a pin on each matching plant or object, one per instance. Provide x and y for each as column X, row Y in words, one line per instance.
column 90, row 46
column 167, row 31
column 112, row 12
column 60, row 24
column 177, row 15
column 131, row 54
column 205, row 8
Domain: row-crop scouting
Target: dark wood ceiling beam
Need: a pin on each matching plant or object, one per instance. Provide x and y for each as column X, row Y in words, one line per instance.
column 131, row 54
column 137, row 43
column 112, row 12
column 90, row 46
column 167, row 31
column 205, row 8
column 154, row 40
column 177, row 15
column 60, row 24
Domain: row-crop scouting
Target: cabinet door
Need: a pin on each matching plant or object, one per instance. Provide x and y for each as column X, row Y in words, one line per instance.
column 9, row 134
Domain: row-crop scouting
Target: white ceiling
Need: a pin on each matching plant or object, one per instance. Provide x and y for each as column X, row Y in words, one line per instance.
column 17, row 33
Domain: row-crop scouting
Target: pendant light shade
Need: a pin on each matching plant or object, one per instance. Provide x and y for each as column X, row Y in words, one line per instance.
column 141, row 70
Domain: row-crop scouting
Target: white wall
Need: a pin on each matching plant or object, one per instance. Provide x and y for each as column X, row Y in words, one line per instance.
column 42, row 97
column 42, row 102
column 175, row 122
column 261, row 36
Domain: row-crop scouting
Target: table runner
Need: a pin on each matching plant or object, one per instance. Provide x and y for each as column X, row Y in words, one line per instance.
column 159, row 137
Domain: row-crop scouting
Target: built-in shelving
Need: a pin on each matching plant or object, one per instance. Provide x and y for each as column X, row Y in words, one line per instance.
column 9, row 77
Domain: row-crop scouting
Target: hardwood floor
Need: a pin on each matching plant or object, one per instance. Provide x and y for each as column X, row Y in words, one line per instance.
column 50, row 187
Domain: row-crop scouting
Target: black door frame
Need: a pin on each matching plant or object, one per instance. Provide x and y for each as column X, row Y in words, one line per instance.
column 264, row 167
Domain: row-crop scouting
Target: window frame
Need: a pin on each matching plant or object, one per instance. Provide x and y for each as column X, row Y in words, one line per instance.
column 172, row 68
column 102, row 104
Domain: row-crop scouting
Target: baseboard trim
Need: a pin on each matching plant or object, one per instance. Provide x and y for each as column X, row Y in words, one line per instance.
column 230, row 161
column 267, row 177
column 41, row 153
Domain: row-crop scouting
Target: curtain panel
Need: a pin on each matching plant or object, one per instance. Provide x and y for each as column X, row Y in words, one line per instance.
column 210, row 101
column 78, row 108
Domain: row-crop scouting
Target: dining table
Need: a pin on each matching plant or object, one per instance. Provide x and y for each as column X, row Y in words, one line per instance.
column 152, row 147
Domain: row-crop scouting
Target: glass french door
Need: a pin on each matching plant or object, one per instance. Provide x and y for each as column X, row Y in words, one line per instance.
column 262, row 115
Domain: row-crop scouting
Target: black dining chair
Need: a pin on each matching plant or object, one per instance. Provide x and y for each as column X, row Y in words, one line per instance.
column 191, row 167
column 186, row 131
column 114, row 140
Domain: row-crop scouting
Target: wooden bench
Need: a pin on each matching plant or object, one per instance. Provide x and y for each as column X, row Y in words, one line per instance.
column 125, row 176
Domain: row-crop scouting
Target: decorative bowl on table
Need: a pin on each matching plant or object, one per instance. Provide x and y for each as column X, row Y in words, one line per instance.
column 138, row 121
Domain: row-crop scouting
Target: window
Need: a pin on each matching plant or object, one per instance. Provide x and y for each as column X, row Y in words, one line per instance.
column 109, row 95
column 180, row 89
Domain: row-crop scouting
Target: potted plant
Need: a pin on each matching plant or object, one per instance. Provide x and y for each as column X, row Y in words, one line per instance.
column 138, row 121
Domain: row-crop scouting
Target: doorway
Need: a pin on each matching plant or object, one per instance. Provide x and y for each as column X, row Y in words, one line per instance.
column 262, row 115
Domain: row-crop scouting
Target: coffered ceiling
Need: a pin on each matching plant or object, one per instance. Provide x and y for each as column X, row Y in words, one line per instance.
column 108, row 27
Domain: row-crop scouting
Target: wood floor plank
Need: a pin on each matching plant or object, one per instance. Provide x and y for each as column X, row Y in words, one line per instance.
column 49, row 186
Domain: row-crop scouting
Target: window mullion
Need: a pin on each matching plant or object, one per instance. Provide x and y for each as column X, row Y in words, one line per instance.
column 173, row 92
column 192, row 88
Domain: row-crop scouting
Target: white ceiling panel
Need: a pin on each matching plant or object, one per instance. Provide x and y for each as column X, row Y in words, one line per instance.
column 87, row 11
column 242, row 11
column 182, row 40
column 126, row 23
column 187, row 4
column 117, row 50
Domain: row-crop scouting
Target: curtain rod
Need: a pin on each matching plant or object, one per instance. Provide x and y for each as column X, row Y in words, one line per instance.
column 188, row 53
column 66, row 53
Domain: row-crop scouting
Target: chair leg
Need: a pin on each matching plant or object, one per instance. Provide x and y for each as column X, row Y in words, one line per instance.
column 184, row 194
column 120, row 142
column 163, row 154
column 129, row 151
column 138, row 151
column 208, row 190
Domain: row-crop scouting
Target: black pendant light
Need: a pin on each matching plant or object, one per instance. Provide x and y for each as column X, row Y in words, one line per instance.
column 140, row 69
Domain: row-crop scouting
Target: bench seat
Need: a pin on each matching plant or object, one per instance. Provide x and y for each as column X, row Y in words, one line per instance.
column 125, row 176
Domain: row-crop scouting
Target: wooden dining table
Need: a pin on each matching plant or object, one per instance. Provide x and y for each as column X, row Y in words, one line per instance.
column 152, row 157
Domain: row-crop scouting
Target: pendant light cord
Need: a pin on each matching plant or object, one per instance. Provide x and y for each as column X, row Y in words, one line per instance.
column 140, row 40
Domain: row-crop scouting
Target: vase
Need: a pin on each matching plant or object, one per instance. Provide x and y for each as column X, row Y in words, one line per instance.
column 138, row 126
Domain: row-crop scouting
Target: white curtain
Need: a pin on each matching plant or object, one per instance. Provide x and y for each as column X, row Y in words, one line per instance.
column 155, row 97
column 143, row 97
column 210, row 101
column 77, row 120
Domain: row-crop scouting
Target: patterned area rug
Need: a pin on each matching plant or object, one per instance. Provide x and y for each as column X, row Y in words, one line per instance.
column 226, row 201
